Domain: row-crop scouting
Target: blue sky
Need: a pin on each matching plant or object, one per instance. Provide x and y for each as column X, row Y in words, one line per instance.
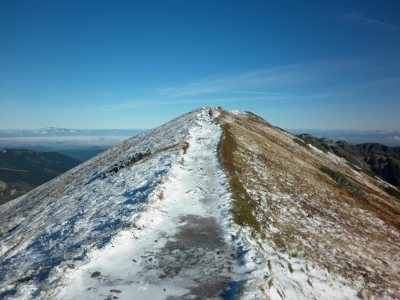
column 138, row 64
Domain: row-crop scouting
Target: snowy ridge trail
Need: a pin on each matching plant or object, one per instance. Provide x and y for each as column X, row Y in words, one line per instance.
column 161, row 227
column 177, row 247
column 54, row 229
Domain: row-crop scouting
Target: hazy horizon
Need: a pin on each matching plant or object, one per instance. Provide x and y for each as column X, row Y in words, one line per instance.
column 64, row 138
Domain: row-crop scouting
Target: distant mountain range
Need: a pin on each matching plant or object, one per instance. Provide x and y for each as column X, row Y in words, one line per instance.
column 23, row 170
column 59, row 132
column 53, row 139
column 354, row 137
column 371, row 157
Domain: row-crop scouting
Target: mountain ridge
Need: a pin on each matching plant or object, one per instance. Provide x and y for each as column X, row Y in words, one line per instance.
column 382, row 160
column 144, row 230
column 305, row 212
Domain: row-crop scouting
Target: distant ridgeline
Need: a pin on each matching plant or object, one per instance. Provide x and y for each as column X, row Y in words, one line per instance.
column 125, row 163
column 372, row 158
column 22, row 170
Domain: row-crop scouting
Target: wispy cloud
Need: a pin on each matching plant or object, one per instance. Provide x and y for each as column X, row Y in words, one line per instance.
column 134, row 104
column 231, row 82
column 268, row 79
column 315, row 80
column 369, row 22
column 387, row 80
column 209, row 100
column 396, row 138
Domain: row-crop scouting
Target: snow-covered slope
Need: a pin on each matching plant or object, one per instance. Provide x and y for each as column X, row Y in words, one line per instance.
column 161, row 227
column 60, row 223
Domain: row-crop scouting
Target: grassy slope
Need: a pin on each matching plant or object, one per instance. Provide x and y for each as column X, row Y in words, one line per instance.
column 285, row 189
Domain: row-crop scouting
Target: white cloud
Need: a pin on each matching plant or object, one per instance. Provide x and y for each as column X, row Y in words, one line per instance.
column 257, row 85
column 396, row 138
column 387, row 80
column 289, row 75
column 133, row 104
column 368, row 21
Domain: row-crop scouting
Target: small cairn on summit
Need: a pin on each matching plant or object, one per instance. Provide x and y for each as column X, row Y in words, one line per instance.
column 125, row 163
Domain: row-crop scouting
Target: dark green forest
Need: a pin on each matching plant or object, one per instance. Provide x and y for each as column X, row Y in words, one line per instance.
column 22, row 170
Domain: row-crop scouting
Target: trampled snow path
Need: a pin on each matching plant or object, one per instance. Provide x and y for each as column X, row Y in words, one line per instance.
column 177, row 248
column 158, row 229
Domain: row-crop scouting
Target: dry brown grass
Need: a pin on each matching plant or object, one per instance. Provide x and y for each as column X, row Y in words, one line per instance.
column 95, row 274
column 185, row 146
column 243, row 204
column 160, row 195
column 341, row 231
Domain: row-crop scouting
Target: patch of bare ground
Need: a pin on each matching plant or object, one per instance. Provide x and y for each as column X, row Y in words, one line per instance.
column 303, row 211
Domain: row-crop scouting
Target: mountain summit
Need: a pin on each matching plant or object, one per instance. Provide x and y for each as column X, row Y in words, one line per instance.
column 221, row 207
